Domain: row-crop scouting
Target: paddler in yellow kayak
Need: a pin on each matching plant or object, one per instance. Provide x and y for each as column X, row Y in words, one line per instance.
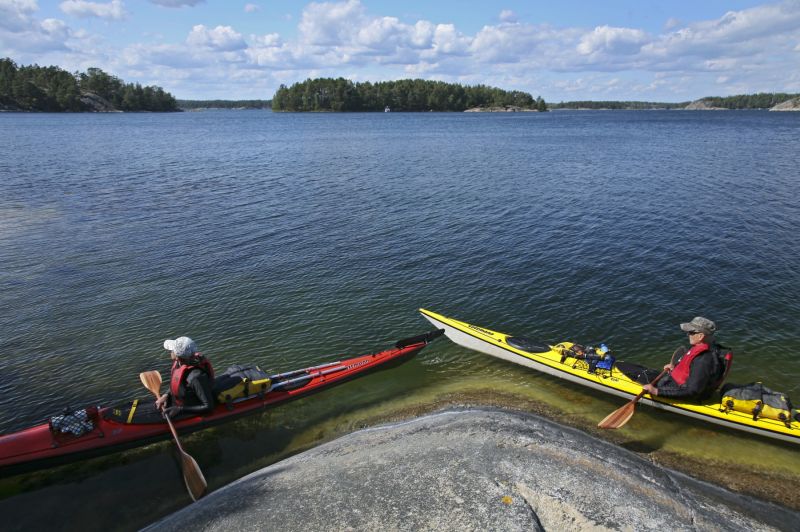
column 698, row 371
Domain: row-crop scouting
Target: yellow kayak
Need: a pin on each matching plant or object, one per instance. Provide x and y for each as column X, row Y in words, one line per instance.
column 622, row 379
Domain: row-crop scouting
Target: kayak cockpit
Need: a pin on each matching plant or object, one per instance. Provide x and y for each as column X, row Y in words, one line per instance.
column 526, row 344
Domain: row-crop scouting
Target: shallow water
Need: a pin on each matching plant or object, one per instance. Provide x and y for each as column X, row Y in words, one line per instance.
column 289, row 239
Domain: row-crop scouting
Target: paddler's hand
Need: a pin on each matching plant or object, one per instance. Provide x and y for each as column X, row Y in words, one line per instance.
column 668, row 367
column 161, row 401
column 172, row 411
column 652, row 390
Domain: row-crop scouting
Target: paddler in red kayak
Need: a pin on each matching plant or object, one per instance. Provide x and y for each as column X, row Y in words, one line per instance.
column 191, row 382
column 698, row 371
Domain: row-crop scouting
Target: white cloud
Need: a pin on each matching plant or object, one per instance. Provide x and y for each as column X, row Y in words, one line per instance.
column 15, row 15
column 55, row 28
column 383, row 32
column 448, row 40
column 252, row 8
column 144, row 57
column 507, row 15
column 80, row 8
column 223, row 38
column 606, row 39
column 748, row 29
column 270, row 40
column 516, row 43
column 757, row 46
column 330, row 24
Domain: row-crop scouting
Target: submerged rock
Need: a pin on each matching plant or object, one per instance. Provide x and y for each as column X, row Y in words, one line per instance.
column 473, row 470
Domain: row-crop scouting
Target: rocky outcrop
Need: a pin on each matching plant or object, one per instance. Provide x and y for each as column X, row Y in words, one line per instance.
column 473, row 470
column 789, row 105
column 701, row 105
column 97, row 103
column 501, row 109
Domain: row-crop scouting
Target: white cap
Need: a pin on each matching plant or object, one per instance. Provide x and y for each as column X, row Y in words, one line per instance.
column 183, row 347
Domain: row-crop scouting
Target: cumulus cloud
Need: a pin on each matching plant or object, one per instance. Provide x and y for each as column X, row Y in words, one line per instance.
column 330, row 23
column 16, row 15
column 750, row 28
column 81, row 8
column 605, row 39
column 448, row 40
column 344, row 38
column 223, row 38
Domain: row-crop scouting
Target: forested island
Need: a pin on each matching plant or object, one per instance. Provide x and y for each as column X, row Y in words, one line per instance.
column 51, row 89
column 329, row 94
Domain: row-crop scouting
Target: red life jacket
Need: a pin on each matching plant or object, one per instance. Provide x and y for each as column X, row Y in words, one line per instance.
column 681, row 371
column 180, row 372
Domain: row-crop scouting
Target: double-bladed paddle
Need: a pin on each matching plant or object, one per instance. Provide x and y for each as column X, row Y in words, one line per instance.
column 192, row 476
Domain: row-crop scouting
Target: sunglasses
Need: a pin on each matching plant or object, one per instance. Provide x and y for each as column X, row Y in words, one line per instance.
column 692, row 333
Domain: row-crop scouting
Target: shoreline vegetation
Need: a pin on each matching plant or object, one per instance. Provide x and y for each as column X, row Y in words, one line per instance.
column 762, row 101
column 51, row 89
column 205, row 105
column 405, row 95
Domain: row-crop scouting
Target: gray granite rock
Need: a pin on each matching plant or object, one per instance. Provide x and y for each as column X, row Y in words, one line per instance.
column 473, row 470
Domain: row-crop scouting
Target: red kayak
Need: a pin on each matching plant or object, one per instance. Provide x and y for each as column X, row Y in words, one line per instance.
column 95, row 431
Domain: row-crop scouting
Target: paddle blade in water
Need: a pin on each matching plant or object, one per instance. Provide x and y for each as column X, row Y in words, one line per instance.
column 618, row 417
column 193, row 477
column 621, row 415
column 151, row 381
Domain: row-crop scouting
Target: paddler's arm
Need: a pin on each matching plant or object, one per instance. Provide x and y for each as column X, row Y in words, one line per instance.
column 700, row 375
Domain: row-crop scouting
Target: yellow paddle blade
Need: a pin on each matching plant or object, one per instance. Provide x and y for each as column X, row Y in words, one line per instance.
column 151, row 381
column 618, row 417
column 193, row 477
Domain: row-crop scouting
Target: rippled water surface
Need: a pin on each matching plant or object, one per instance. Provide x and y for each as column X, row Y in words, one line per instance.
column 285, row 239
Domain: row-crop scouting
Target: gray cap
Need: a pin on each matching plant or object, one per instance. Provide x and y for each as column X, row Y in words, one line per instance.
column 183, row 347
column 702, row 325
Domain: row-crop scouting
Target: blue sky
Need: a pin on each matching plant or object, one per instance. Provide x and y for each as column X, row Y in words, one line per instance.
column 563, row 50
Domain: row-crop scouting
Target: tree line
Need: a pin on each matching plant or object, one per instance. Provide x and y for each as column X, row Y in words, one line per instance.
column 762, row 100
column 617, row 105
column 35, row 88
column 224, row 104
column 329, row 94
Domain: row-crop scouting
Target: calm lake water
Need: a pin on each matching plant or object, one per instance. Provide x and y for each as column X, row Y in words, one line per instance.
column 289, row 239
